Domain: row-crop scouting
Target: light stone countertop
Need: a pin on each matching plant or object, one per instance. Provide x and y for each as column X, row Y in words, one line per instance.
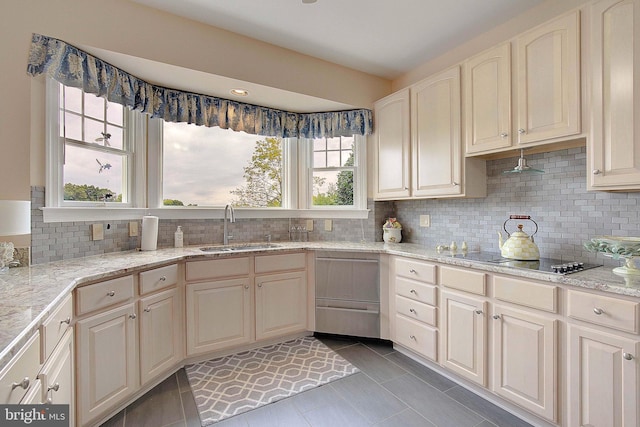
column 30, row 294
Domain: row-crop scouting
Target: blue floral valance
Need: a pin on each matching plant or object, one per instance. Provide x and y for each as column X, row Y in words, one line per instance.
column 74, row 67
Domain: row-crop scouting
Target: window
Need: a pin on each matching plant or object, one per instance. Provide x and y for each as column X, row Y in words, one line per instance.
column 332, row 171
column 91, row 149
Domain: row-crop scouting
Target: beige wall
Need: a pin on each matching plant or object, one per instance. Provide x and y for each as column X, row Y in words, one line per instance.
column 126, row 27
column 535, row 16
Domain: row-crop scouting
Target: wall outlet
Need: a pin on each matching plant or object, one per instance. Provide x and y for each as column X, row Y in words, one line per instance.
column 425, row 220
column 309, row 225
column 328, row 225
column 133, row 229
column 97, row 232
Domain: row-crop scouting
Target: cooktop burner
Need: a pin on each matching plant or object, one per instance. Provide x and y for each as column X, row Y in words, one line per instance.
column 550, row 265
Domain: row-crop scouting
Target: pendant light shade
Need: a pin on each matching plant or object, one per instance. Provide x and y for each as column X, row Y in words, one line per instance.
column 522, row 166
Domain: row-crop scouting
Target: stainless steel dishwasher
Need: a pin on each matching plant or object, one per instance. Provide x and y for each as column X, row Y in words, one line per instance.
column 348, row 293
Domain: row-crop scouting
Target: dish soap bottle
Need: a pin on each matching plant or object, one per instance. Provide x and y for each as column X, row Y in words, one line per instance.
column 178, row 238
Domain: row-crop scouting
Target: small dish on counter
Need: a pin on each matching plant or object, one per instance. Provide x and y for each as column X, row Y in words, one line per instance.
column 617, row 247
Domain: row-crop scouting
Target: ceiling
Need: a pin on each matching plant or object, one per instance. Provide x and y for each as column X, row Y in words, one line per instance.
column 386, row 38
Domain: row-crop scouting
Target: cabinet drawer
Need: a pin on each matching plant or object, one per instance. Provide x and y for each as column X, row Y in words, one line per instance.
column 217, row 268
column 417, row 336
column 614, row 313
column 464, row 280
column 103, row 294
column 416, row 310
column 529, row 294
column 158, row 278
column 416, row 290
column 282, row 262
column 24, row 365
column 416, row 270
column 54, row 328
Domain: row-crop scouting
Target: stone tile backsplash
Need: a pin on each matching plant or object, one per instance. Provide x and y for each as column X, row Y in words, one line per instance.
column 566, row 213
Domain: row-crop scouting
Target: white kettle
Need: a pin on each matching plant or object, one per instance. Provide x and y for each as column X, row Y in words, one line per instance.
column 519, row 245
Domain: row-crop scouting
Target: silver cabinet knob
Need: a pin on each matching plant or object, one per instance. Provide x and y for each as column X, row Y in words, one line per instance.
column 54, row 387
column 455, row 184
column 504, row 135
column 406, row 188
column 111, row 293
column 246, row 286
column 163, row 278
column 496, row 316
column 627, row 356
column 67, row 321
column 596, row 171
column 411, row 310
column 259, row 285
column 147, row 309
column 132, row 316
column 478, row 311
column 522, row 131
column 22, row 384
column 598, row 311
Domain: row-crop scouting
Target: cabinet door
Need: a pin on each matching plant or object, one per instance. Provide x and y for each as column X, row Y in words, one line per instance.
column 614, row 147
column 57, row 376
column 604, row 379
column 435, row 135
column 161, row 329
column 488, row 100
column 392, row 142
column 548, row 80
column 464, row 326
column 107, row 361
column 281, row 301
column 218, row 315
column 524, row 359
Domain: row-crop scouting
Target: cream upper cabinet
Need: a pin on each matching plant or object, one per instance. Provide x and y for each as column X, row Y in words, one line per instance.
column 604, row 379
column 438, row 167
column 392, row 144
column 548, row 81
column 487, row 100
column 614, row 146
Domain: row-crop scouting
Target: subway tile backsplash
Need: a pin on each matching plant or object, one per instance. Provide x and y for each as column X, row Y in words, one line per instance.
column 567, row 216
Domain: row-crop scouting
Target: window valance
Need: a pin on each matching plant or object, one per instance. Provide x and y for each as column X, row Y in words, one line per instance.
column 74, row 67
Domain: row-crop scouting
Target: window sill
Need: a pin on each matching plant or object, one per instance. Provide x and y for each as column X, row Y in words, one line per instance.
column 66, row 214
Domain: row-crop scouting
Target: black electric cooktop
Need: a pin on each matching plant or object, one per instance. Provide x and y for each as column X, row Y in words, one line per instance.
column 550, row 265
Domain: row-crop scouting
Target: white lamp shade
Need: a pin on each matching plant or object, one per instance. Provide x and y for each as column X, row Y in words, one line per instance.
column 15, row 217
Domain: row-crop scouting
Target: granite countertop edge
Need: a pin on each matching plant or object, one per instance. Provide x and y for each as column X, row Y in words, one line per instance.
column 31, row 294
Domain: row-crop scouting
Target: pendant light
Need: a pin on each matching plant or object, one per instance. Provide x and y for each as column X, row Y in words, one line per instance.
column 522, row 166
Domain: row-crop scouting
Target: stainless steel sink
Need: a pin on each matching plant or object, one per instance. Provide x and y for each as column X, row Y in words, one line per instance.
column 239, row 248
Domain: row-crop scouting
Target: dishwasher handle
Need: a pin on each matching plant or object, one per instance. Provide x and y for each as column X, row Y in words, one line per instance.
column 347, row 260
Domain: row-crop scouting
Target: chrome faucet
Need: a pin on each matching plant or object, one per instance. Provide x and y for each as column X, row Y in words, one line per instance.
column 232, row 218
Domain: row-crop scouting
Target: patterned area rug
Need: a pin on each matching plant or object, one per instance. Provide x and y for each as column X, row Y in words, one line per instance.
column 234, row 384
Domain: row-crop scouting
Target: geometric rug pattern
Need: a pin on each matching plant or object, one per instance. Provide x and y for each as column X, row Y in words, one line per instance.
column 238, row 383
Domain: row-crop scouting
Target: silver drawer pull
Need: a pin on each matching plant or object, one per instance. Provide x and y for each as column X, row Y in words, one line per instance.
column 22, row 384
column 67, row 321
column 598, row 311
column 504, row 135
column 478, row 311
column 413, row 291
column 413, row 271
column 627, row 356
column 111, row 293
column 54, row 387
column 163, row 278
column 411, row 310
column 413, row 337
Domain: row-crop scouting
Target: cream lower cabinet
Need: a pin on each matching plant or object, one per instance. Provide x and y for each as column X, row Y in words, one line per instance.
column 107, row 360
column 218, row 315
column 161, row 333
column 58, row 376
column 614, row 146
column 281, row 301
column 604, row 379
column 525, row 352
column 19, row 377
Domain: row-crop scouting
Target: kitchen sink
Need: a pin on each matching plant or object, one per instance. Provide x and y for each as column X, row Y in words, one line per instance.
column 239, row 248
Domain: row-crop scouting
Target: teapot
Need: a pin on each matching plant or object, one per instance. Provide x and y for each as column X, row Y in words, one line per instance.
column 519, row 245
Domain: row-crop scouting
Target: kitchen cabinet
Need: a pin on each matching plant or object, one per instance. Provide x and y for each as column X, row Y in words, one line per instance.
column 219, row 315
column 18, row 377
column 161, row 333
column 107, row 357
column 548, row 81
column 391, row 147
column 604, row 378
column 614, row 144
column 281, row 301
column 487, row 100
column 58, row 377
column 438, row 167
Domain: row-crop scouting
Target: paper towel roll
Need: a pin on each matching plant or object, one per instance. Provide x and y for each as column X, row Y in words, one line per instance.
column 149, row 233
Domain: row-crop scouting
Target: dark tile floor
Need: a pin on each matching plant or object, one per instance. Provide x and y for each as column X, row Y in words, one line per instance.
column 391, row 390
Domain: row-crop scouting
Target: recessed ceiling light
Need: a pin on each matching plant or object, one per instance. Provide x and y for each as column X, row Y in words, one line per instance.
column 239, row 92
column 309, row 1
